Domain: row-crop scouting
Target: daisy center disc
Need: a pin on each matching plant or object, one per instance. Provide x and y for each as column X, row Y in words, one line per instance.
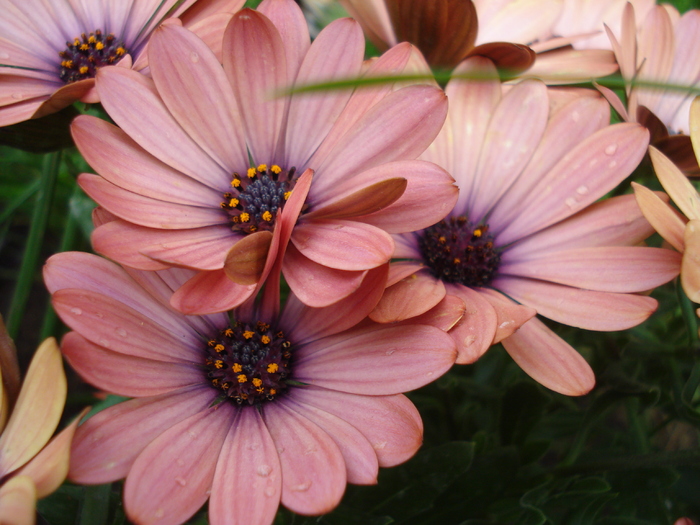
column 457, row 251
column 85, row 55
column 248, row 362
column 256, row 197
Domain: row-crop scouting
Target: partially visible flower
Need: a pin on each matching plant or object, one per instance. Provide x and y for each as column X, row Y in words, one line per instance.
column 527, row 236
column 680, row 231
column 51, row 50
column 29, row 467
column 660, row 50
column 211, row 171
column 247, row 409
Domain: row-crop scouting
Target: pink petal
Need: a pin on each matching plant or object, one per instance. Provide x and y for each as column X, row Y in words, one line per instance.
column 125, row 375
column 255, row 65
column 358, row 361
column 585, row 309
column 245, row 261
column 569, row 66
column 474, row 332
column 621, row 269
column 412, row 296
column 146, row 211
column 361, row 462
column 303, row 324
column 170, row 480
column 211, row 31
column 144, row 117
column 313, row 470
column 336, row 53
column 106, row 445
column 191, row 102
column 248, row 480
column 117, row 158
column 664, row 219
column 390, row 423
column 111, row 324
column 317, row 285
column 677, row 185
column 210, row 292
column 343, row 245
column 444, row 315
column 510, row 316
column 690, row 267
column 591, row 169
column 549, row 360
column 294, row 30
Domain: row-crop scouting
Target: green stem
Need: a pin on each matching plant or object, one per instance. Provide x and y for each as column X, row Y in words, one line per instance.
column 40, row 218
column 689, row 315
column 95, row 507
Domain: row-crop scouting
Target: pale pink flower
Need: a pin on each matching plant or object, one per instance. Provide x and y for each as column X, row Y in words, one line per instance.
column 178, row 174
column 50, row 50
column 660, row 49
column 680, row 231
column 247, row 411
column 527, row 235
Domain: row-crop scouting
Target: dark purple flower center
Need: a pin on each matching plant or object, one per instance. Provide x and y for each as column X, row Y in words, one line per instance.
column 248, row 362
column 85, row 55
column 457, row 251
column 257, row 196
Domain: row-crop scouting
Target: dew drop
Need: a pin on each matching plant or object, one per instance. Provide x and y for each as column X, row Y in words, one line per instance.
column 612, row 164
column 610, row 150
column 582, row 190
column 99, row 315
column 104, row 342
column 570, row 202
column 576, row 116
column 504, row 324
column 380, row 446
column 180, row 481
column 389, row 352
column 4, row 56
column 121, row 332
column 17, row 96
column 469, row 340
column 264, row 470
column 301, row 487
column 76, row 311
column 194, row 57
column 252, row 446
column 269, row 492
column 429, row 374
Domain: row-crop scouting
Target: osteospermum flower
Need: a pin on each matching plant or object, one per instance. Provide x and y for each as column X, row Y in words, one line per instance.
column 659, row 50
column 526, row 235
column 334, row 172
column 29, row 467
column 681, row 231
column 51, row 50
column 247, row 410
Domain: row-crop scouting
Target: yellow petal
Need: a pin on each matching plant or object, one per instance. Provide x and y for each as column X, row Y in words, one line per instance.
column 676, row 184
column 695, row 126
column 690, row 267
column 8, row 364
column 38, row 408
column 18, row 502
column 49, row 468
column 661, row 216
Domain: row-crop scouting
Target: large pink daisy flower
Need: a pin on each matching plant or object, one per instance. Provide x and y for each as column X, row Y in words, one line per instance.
column 50, row 50
column 210, row 171
column 527, row 235
column 247, row 410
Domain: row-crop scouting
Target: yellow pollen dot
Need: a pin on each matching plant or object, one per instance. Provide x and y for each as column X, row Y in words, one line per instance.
column 266, row 216
column 120, row 51
column 99, row 46
column 235, row 219
column 228, row 332
column 260, row 390
column 233, row 203
column 84, row 70
column 84, row 47
column 248, row 334
column 287, row 194
column 219, row 364
column 273, row 391
column 237, row 367
column 211, row 342
column 76, row 42
column 241, row 378
column 219, row 348
column 478, row 232
column 276, row 169
column 457, row 260
column 226, row 385
column 251, row 173
column 244, row 396
column 92, row 39
column 245, row 217
column 272, row 368
column 442, row 239
column 215, row 382
column 257, row 381
column 253, row 228
column 265, row 339
column 208, row 360
column 236, row 182
column 223, row 205
column 262, row 168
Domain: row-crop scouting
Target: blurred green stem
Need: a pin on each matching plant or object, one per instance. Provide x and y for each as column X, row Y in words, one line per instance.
column 35, row 239
column 95, row 507
column 689, row 315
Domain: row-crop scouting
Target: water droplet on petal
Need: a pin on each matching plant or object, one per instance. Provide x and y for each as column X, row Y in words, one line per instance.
column 17, row 96
column 301, row 487
column 570, row 202
column 430, row 374
column 389, row 352
column 469, row 340
column 76, row 311
column 269, row 492
column 582, row 190
column 264, row 470
column 380, row 446
column 121, row 332
column 610, row 150
column 180, row 481
column 194, row 57
column 4, row 56
column 252, row 446
column 612, row 164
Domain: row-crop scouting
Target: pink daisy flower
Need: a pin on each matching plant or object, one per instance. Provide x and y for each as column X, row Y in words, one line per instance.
column 247, row 411
column 51, row 50
column 527, row 235
column 216, row 174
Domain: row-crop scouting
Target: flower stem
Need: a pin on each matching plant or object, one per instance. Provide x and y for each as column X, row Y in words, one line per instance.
column 40, row 218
